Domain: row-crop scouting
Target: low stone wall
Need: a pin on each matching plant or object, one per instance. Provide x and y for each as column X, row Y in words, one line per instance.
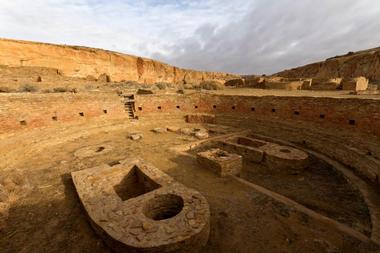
column 20, row 111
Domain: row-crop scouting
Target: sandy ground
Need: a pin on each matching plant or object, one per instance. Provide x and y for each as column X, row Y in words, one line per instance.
column 47, row 215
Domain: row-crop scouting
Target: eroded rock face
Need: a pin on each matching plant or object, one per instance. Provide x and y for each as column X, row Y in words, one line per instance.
column 82, row 62
column 135, row 207
column 364, row 63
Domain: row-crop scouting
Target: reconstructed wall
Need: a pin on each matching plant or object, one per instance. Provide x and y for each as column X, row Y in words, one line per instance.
column 347, row 130
column 23, row 110
column 352, row 114
column 358, row 115
column 82, row 62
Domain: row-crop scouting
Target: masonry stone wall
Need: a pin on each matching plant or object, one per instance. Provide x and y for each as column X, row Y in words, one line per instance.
column 358, row 115
column 23, row 110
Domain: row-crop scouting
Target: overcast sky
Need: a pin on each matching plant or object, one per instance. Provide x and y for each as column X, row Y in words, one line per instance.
column 237, row 36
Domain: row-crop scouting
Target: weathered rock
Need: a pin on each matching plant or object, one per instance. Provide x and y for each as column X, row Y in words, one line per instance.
column 91, row 78
column 187, row 131
column 135, row 137
column 201, row 133
column 159, row 130
column 173, row 129
column 104, row 78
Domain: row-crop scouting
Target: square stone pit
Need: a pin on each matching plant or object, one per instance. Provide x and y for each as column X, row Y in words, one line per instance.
column 220, row 162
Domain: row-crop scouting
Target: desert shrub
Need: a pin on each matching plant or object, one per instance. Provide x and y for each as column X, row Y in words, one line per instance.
column 163, row 86
column 131, row 84
column 60, row 89
column 212, row 85
column 188, row 86
column 46, row 91
column 89, row 87
column 91, row 78
column 28, row 88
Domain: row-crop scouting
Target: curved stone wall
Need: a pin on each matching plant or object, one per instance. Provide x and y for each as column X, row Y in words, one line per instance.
column 357, row 115
column 20, row 111
column 345, row 129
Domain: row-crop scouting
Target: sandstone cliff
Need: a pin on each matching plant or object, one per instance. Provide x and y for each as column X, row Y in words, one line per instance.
column 363, row 63
column 83, row 62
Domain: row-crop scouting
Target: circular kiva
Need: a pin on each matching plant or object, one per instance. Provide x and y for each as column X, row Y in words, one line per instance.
column 284, row 157
column 93, row 150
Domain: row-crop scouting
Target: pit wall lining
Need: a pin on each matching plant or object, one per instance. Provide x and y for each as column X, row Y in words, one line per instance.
column 352, row 115
column 27, row 111
column 349, row 130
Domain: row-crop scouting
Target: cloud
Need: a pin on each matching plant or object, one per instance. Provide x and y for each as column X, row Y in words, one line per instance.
column 240, row 36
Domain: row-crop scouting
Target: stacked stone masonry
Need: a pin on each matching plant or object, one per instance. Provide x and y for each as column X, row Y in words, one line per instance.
column 135, row 207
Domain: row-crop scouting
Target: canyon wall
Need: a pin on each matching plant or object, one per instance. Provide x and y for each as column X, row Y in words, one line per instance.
column 82, row 62
column 364, row 63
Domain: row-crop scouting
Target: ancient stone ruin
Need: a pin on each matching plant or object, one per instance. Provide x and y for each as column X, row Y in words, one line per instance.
column 137, row 208
column 107, row 152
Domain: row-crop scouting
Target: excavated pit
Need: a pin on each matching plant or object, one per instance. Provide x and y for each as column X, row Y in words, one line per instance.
column 270, row 184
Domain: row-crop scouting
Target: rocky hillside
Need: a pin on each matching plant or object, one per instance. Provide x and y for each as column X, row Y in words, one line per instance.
column 82, row 62
column 363, row 63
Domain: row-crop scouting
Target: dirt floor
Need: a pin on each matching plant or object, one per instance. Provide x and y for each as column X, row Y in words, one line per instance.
column 48, row 217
